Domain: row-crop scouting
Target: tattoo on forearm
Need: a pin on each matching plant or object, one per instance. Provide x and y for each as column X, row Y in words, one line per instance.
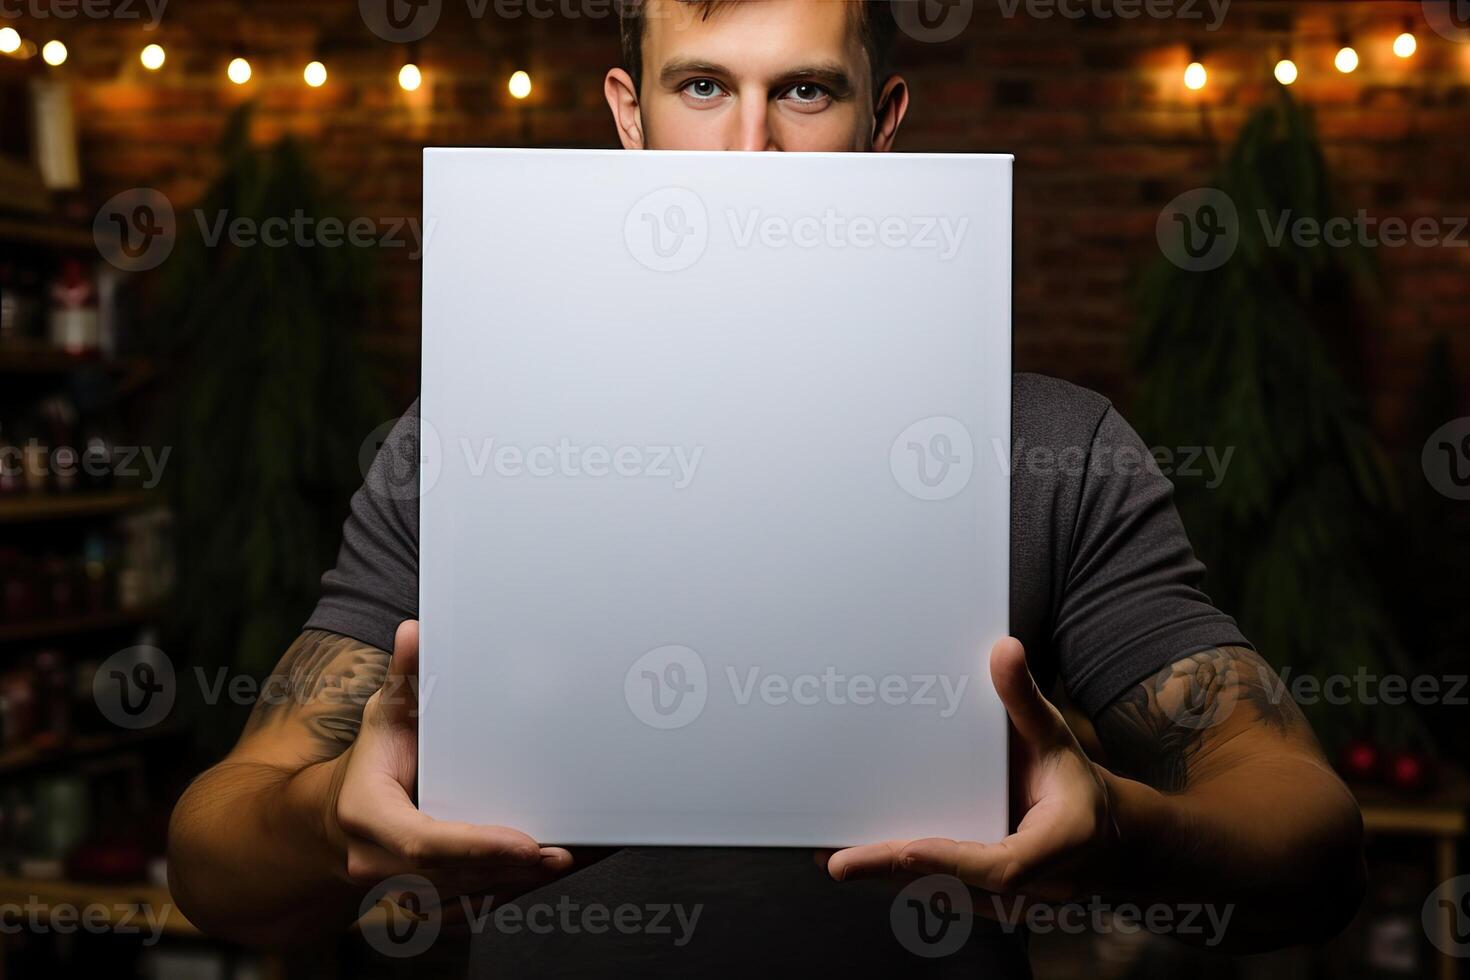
column 1158, row 731
column 321, row 683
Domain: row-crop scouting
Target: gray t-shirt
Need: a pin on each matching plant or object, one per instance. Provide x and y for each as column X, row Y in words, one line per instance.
column 1104, row 592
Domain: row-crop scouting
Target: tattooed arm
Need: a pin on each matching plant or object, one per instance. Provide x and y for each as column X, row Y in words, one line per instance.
column 1214, row 809
column 1223, row 796
column 281, row 841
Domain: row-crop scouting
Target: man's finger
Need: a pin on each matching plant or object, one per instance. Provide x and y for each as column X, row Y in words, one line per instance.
column 865, row 861
column 1034, row 717
column 399, row 696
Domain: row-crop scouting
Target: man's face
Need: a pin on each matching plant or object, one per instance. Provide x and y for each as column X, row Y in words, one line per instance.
column 755, row 75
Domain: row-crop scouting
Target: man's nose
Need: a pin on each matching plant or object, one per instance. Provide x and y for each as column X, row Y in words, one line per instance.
column 755, row 131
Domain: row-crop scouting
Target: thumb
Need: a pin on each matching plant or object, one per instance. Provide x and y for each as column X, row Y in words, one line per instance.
column 400, row 688
column 1036, row 720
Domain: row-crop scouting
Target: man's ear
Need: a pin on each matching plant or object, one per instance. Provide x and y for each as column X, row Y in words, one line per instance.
column 893, row 103
column 622, row 99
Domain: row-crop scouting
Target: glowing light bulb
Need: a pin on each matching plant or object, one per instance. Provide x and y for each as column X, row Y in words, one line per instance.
column 9, row 40
column 54, row 53
column 1347, row 59
column 520, row 84
column 410, row 78
column 315, row 74
column 1405, row 45
column 239, row 71
column 153, row 57
column 1195, row 76
column 1286, row 71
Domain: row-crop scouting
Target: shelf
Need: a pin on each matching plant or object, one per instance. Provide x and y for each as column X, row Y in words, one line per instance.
column 54, row 507
column 79, row 747
column 117, row 901
column 53, row 629
column 15, row 231
column 38, row 359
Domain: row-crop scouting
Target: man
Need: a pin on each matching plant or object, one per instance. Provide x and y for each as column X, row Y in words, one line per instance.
column 1204, row 784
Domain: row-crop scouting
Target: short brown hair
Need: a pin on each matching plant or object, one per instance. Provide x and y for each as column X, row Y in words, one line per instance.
column 876, row 28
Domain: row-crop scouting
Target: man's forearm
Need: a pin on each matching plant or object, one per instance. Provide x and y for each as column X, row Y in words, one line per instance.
column 1276, row 845
column 251, row 858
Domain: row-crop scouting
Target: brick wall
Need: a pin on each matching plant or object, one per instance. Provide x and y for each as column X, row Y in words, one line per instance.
column 1093, row 107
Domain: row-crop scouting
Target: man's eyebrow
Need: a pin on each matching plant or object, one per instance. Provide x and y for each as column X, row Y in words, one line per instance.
column 674, row 70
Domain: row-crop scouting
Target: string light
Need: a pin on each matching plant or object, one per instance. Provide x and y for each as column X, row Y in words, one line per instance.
column 1405, row 45
column 9, row 40
column 1195, row 76
column 54, row 53
column 315, row 74
column 1347, row 57
column 410, row 78
column 239, row 71
column 153, row 57
column 1286, row 71
column 520, row 84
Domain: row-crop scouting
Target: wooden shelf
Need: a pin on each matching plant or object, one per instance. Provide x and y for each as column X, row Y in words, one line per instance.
column 79, row 747
column 31, row 358
column 19, row 231
column 54, row 507
column 52, row 629
column 153, row 904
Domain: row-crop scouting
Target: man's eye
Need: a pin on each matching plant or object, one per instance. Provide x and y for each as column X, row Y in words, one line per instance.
column 806, row 92
column 704, row 88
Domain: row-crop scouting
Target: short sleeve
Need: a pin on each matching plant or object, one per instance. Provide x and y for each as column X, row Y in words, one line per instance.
column 374, row 585
column 1131, row 601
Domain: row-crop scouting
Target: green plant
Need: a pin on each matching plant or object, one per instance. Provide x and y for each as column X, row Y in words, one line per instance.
column 270, row 400
column 1254, row 355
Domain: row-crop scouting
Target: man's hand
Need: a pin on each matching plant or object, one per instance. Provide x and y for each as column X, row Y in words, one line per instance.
column 382, row 833
column 1067, row 835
